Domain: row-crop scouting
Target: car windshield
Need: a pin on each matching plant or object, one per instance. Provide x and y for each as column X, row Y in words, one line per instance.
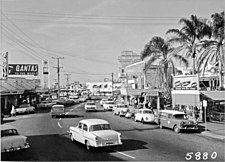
column 24, row 105
column 110, row 102
column 180, row 116
column 122, row 106
column 147, row 112
column 9, row 132
column 99, row 127
column 90, row 103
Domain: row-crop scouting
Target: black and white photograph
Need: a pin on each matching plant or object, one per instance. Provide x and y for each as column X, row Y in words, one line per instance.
column 112, row 80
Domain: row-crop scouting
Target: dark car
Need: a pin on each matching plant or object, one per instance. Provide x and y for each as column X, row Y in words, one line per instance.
column 65, row 102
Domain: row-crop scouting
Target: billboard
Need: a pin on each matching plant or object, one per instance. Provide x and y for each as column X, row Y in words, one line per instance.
column 187, row 82
column 4, row 65
column 23, row 69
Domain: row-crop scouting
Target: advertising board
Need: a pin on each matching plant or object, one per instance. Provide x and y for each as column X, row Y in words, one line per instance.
column 187, row 82
column 23, row 69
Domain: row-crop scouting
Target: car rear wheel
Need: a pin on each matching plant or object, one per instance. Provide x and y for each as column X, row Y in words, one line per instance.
column 142, row 120
column 176, row 129
column 88, row 146
column 160, row 126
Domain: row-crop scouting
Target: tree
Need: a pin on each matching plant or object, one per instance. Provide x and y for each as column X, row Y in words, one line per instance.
column 159, row 50
column 188, row 37
column 213, row 49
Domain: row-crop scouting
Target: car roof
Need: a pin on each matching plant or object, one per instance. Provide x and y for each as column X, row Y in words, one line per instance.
column 7, row 126
column 55, row 106
column 94, row 121
column 173, row 112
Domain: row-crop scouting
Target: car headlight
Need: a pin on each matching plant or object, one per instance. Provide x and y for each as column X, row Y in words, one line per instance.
column 181, row 123
column 96, row 138
column 146, row 118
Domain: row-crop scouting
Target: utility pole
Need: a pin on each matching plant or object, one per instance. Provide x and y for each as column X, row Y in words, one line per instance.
column 58, row 71
column 67, row 83
column 112, row 87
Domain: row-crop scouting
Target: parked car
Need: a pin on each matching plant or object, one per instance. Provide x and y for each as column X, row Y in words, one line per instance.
column 130, row 114
column 176, row 120
column 120, row 109
column 25, row 108
column 90, row 106
column 95, row 133
column 108, row 105
column 57, row 110
column 11, row 140
column 103, row 101
column 144, row 115
column 46, row 104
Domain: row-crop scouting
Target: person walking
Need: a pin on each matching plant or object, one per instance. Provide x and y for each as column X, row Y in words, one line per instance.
column 13, row 111
column 146, row 104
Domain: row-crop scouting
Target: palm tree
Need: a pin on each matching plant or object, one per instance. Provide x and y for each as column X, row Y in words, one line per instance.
column 213, row 50
column 159, row 50
column 188, row 37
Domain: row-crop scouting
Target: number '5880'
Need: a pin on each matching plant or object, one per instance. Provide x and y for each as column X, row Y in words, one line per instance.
column 200, row 156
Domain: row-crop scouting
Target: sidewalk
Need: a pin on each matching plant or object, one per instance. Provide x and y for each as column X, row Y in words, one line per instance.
column 214, row 130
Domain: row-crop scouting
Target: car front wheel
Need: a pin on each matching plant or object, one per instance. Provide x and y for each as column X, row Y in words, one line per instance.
column 176, row 129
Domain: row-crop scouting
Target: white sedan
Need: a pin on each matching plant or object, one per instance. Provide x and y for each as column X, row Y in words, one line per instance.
column 90, row 106
column 25, row 108
column 11, row 140
column 145, row 115
column 95, row 133
column 108, row 105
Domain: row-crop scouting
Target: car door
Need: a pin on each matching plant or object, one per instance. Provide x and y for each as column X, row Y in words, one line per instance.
column 78, row 136
column 84, row 133
column 169, row 121
column 163, row 119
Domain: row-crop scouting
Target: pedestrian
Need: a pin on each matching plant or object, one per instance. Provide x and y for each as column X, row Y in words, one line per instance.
column 146, row 104
column 13, row 111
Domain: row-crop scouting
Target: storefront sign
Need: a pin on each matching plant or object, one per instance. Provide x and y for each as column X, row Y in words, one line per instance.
column 23, row 69
column 45, row 66
column 4, row 65
column 190, row 82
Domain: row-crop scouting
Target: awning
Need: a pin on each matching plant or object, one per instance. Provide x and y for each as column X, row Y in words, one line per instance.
column 214, row 95
column 186, row 99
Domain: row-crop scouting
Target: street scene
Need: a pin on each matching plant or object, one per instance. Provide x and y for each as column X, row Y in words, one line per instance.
column 112, row 80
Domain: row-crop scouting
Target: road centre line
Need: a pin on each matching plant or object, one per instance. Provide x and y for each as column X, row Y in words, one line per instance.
column 60, row 118
column 122, row 153
column 59, row 125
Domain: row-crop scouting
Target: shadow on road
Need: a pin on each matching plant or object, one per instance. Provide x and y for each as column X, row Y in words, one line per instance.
column 131, row 145
column 7, row 121
column 71, row 116
column 56, row 147
column 137, row 129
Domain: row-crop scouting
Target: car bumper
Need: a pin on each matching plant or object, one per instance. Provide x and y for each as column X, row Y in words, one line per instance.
column 107, row 143
column 16, row 148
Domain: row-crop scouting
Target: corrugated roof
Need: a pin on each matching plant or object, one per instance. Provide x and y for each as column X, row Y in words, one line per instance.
column 215, row 95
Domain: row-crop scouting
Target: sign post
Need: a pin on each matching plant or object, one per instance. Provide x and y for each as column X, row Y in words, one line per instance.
column 204, row 103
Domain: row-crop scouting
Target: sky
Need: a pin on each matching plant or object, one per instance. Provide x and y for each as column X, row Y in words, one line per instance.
column 89, row 34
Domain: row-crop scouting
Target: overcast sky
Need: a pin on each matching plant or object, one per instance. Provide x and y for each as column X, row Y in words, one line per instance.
column 89, row 34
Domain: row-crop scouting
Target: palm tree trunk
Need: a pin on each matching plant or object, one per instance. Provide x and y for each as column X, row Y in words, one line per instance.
column 221, row 68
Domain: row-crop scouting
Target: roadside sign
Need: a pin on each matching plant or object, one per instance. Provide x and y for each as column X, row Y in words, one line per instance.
column 204, row 103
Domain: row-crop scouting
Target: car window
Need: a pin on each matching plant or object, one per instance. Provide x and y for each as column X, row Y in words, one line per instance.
column 180, row 116
column 170, row 116
column 85, row 127
column 146, row 112
column 24, row 105
column 80, row 125
column 90, row 103
column 98, row 127
column 163, row 115
column 9, row 132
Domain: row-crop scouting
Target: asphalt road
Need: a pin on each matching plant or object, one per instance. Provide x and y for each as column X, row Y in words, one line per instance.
column 50, row 141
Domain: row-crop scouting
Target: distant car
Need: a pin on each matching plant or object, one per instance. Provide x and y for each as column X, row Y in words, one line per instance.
column 120, row 109
column 65, row 102
column 95, row 133
column 25, row 108
column 57, row 110
column 176, row 120
column 103, row 101
column 90, row 106
column 130, row 114
column 11, row 140
column 108, row 105
column 144, row 116
column 82, row 99
column 75, row 99
column 46, row 104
